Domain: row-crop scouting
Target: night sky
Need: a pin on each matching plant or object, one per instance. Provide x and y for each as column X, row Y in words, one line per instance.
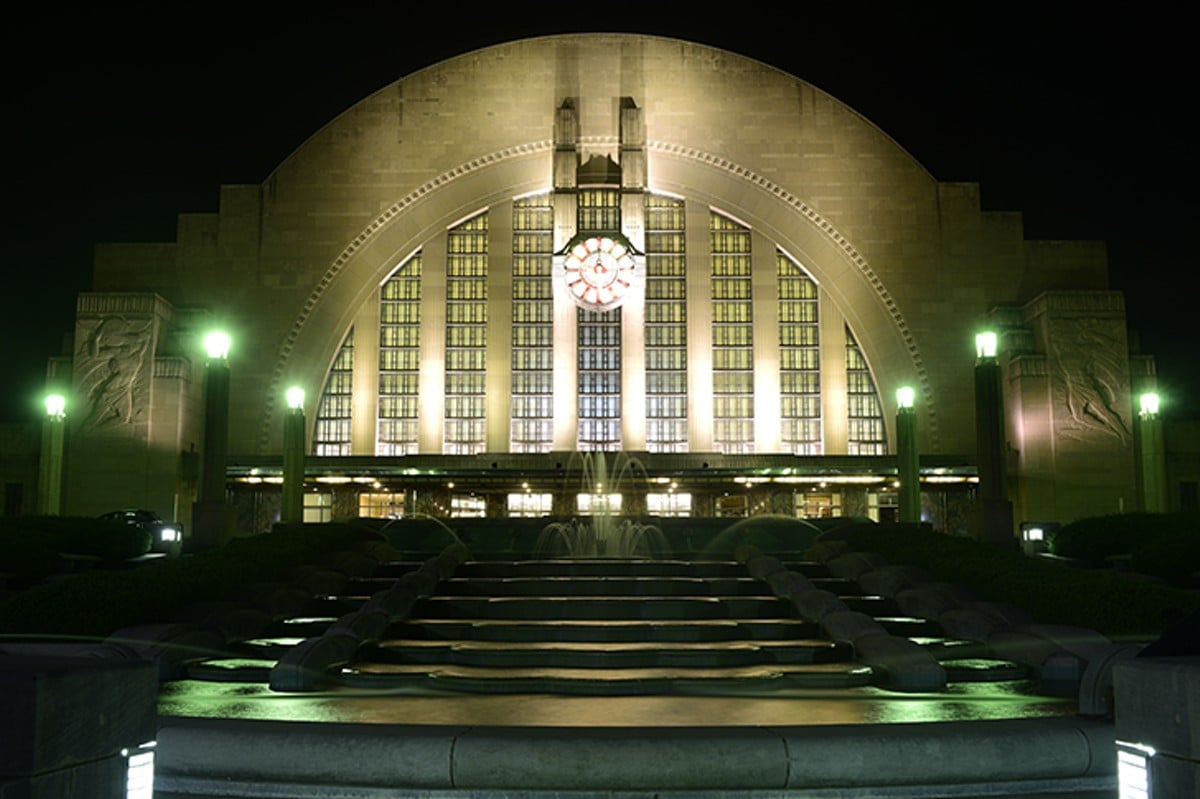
column 118, row 120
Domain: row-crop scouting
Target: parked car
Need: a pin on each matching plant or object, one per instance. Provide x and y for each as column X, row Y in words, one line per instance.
column 164, row 537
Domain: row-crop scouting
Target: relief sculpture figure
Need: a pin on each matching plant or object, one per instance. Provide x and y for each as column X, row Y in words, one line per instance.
column 113, row 369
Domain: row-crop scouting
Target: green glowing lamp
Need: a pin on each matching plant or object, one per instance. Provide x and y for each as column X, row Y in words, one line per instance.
column 1148, row 404
column 986, row 344
column 295, row 398
column 217, row 345
column 905, row 396
column 56, row 406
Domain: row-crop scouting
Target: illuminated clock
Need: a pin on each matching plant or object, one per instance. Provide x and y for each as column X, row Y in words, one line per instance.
column 598, row 271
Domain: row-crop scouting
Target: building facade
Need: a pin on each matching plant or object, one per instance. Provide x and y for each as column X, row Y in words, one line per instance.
column 601, row 243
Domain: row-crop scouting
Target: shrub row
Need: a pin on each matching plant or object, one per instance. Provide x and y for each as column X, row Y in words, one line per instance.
column 1054, row 593
column 31, row 546
column 96, row 603
column 1166, row 545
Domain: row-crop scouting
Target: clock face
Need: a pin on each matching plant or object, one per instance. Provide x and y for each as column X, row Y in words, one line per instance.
column 598, row 271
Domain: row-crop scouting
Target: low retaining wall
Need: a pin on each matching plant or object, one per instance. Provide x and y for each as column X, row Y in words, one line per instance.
column 224, row 758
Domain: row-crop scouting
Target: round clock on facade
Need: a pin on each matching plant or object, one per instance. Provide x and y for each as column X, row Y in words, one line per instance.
column 598, row 271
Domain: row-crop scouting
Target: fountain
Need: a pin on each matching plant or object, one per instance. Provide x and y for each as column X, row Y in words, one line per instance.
column 605, row 533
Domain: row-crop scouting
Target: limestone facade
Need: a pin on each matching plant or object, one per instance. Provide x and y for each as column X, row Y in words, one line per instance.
column 906, row 267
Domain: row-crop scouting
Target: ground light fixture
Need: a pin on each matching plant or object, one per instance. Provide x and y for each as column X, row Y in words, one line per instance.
column 139, row 771
column 1133, row 770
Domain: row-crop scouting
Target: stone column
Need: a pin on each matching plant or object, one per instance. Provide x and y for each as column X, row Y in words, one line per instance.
column 50, row 479
column 995, row 519
column 292, row 509
column 1151, row 456
column 211, row 519
column 908, row 459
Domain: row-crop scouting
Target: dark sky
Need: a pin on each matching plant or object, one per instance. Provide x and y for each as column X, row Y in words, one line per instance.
column 117, row 120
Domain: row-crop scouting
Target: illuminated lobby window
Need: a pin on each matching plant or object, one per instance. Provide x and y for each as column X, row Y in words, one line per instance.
column 532, row 423
column 864, row 424
column 666, row 326
column 599, row 342
column 799, row 360
column 331, row 435
column 732, row 337
column 468, row 507
column 466, row 338
column 381, row 505
column 318, row 507
column 530, row 504
column 598, row 211
column 671, row 504
column 399, row 359
column 598, row 504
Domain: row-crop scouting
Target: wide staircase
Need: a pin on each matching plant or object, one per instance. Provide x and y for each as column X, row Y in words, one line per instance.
column 605, row 626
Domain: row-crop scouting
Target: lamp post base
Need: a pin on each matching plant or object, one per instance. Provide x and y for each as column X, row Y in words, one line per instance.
column 212, row 525
column 992, row 523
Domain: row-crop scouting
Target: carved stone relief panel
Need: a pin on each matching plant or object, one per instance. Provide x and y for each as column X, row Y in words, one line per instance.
column 1089, row 368
column 114, row 364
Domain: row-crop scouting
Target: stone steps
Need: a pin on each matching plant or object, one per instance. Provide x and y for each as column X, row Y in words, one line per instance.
column 606, row 630
column 602, row 626
column 605, row 654
column 605, row 681
column 603, row 607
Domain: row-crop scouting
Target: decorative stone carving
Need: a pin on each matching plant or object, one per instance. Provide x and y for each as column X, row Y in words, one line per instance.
column 114, row 364
column 1089, row 382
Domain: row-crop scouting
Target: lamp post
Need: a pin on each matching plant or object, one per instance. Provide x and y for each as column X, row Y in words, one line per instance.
column 292, row 509
column 908, row 459
column 50, row 482
column 995, row 516
column 1150, row 440
column 209, row 516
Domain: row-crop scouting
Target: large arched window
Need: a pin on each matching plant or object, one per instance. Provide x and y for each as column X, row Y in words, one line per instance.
column 666, row 326
column 532, row 423
column 732, row 336
column 332, row 433
column 466, row 337
column 799, row 360
column 399, row 360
